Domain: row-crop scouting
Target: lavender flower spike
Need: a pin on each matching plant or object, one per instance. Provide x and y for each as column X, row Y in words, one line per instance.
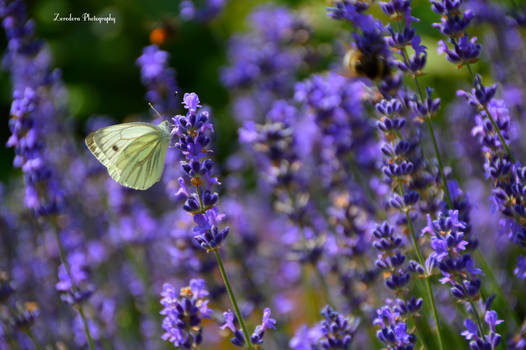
column 183, row 311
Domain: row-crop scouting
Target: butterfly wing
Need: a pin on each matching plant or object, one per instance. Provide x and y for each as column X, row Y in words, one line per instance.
column 133, row 153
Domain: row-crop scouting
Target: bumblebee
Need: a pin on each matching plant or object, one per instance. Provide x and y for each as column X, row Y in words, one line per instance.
column 372, row 66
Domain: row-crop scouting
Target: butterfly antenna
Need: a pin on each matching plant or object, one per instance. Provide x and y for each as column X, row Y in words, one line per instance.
column 155, row 110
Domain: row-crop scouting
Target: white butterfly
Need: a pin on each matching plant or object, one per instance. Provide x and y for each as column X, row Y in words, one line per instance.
column 133, row 153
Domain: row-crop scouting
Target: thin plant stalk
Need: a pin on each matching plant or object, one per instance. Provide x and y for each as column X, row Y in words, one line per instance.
column 477, row 318
column 33, row 340
column 224, row 275
column 485, row 266
column 233, row 298
column 429, row 292
column 64, row 261
column 493, row 123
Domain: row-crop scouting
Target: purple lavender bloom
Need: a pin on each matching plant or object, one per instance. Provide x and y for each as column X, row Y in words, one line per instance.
column 194, row 132
column 264, row 62
column 520, row 270
column 266, row 323
column 29, row 64
column 77, row 288
column 159, row 79
column 465, row 51
column 391, row 317
column 334, row 332
column 183, row 312
column 238, row 339
column 352, row 11
column 396, row 7
column 187, row 10
column 393, row 330
column 428, row 107
column 335, row 106
column 306, row 338
column 206, row 12
column 79, row 333
column 25, row 316
column 479, row 341
column 493, row 130
column 454, row 22
column 338, row 331
column 518, row 342
column 416, row 62
column 29, row 147
column 450, row 256
column 403, row 166
column 391, row 258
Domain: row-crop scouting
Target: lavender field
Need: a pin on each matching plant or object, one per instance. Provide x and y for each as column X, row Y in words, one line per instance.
column 301, row 174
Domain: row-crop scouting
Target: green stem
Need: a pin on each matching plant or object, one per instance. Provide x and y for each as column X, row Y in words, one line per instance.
column 419, row 337
column 435, row 147
column 490, row 117
column 480, row 258
column 497, row 130
column 440, row 166
column 140, row 267
column 86, row 327
column 426, row 277
column 470, row 71
column 33, row 340
column 65, row 262
column 324, row 285
column 12, row 342
column 311, row 306
column 477, row 318
column 233, row 298
column 496, row 286
column 435, row 313
column 227, row 282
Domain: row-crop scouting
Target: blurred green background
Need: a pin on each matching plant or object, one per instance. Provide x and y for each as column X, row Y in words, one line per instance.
column 98, row 60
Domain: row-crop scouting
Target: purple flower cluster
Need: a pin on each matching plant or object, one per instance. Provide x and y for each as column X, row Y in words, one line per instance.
column 392, row 320
column 459, row 272
column 492, row 128
column 206, row 12
column 77, row 288
column 450, row 256
column 335, row 331
column 264, row 62
column 194, row 132
column 323, row 158
column 453, row 24
column 334, row 106
column 403, row 165
column 183, row 312
column 22, row 317
column 159, row 80
column 518, row 342
column 257, row 336
column 391, row 259
column 478, row 341
column 31, row 75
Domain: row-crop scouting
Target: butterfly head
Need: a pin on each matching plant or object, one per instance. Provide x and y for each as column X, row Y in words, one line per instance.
column 166, row 126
